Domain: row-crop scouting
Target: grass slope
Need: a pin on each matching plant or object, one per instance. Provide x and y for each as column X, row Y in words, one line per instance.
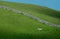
column 18, row 26
column 39, row 11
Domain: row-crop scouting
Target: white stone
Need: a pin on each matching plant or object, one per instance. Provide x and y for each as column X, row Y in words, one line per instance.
column 39, row 29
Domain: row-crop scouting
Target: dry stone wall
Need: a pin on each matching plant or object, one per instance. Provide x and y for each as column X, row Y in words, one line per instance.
column 31, row 16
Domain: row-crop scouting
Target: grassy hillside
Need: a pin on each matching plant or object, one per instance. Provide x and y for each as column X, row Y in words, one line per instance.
column 39, row 11
column 18, row 26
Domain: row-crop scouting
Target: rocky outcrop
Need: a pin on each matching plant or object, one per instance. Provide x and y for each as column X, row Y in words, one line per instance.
column 31, row 16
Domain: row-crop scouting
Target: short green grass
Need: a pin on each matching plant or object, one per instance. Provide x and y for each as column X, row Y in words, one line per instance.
column 18, row 26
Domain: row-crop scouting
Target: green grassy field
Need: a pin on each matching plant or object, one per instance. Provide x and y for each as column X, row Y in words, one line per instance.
column 18, row 26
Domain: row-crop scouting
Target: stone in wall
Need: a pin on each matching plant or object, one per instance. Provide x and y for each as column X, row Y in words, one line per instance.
column 0, row 6
column 14, row 10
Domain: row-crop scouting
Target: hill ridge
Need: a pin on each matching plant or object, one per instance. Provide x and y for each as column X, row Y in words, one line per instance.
column 31, row 16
